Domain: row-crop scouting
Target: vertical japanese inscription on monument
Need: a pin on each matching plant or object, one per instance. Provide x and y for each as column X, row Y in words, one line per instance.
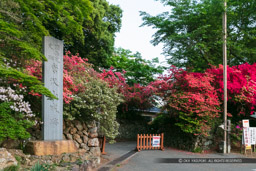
column 53, row 80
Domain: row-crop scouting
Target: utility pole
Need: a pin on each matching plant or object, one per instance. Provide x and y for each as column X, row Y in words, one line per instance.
column 224, row 25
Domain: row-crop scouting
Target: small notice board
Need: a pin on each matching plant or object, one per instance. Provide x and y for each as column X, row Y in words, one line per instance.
column 156, row 141
column 249, row 136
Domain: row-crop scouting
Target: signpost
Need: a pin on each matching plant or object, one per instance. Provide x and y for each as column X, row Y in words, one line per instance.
column 246, row 123
column 156, row 141
column 247, row 136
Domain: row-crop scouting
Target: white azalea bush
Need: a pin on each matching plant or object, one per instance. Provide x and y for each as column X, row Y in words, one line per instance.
column 97, row 103
column 15, row 115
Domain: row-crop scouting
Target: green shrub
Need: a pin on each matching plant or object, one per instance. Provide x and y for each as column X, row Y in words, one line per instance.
column 12, row 124
column 99, row 103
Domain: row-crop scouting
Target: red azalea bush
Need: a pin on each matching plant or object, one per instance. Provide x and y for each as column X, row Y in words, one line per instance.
column 92, row 95
column 75, row 71
column 241, row 86
column 136, row 96
column 74, row 67
column 191, row 99
column 195, row 99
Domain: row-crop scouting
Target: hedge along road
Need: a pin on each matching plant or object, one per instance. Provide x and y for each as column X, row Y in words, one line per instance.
column 147, row 160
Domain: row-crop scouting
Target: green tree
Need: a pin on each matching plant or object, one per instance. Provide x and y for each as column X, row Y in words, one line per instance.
column 100, row 33
column 18, row 43
column 138, row 70
column 192, row 32
column 87, row 27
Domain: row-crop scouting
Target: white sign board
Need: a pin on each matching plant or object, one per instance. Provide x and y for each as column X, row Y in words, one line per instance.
column 246, row 124
column 246, row 137
column 253, row 135
column 156, row 141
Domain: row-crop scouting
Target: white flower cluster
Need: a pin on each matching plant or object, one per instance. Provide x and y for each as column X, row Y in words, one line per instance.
column 10, row 62
column 9, row 95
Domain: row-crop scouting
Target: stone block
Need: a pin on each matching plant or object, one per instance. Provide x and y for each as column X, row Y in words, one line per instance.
column 41, row 148
column 84, row 127
column 66, row 130
column 77, row 138
column 87, row 165
column 80, row 133
column 93, row 135
column 95, row 151
column 93, row 130
column 77, row 144
column 73, row 130
column 78, row 125
column 69, row 137
column 85, row 132
column 93, row 142
column 84, row 146
column 91, row 124
column 85, row 139
column 6, row 159
column 66, row 158
column 95, row 161
column 56, row 159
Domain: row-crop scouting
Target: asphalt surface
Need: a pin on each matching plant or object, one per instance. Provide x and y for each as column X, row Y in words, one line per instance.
column 148, row 160
column 118, row 149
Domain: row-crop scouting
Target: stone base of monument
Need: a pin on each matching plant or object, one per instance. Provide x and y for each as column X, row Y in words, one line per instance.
column 41, row 148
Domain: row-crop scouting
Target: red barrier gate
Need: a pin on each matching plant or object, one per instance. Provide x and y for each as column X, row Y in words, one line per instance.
column 145, row 142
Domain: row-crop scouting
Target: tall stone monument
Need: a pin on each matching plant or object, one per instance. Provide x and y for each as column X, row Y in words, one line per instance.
column 53, row 80
column 52, row 143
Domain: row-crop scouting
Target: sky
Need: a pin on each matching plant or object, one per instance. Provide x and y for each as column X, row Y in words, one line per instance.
column 134, row 37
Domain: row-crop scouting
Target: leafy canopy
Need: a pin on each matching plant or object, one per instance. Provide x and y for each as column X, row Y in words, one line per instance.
column 192, row 32
column 137, row 70
column 87, row 27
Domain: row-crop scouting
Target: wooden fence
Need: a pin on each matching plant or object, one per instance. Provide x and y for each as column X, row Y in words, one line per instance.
column 102, row 143
column 144, row 142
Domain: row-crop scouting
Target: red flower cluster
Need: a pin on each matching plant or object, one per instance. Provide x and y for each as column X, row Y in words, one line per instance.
column 137, row 96
column 76, row 70
column 191, row 98
column 241, row 85
column 198, row 96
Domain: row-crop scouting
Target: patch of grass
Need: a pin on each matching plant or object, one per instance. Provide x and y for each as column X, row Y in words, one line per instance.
column 11, row 168
column 197, row 150
column 18, row 158
column 79, row 161
column 42, row 167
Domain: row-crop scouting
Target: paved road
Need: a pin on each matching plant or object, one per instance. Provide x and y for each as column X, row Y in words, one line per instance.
column 118, row 149
column 146, row 161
